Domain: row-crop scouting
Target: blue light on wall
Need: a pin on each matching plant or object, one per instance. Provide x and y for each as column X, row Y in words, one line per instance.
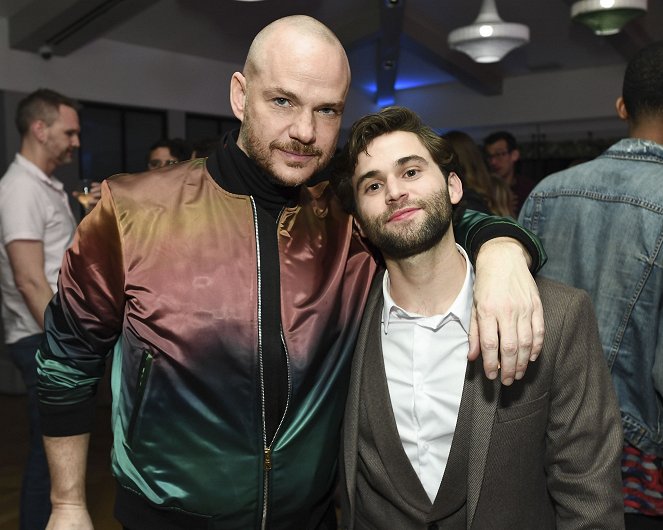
column 386, row 102
column 402, row 83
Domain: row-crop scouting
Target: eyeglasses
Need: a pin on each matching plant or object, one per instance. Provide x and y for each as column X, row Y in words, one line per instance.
column 156, row 163
column 498, row 154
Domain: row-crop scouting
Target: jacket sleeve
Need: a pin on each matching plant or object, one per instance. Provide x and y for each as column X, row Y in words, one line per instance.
column 82, row 323
column 475, row 228
column 584, row 435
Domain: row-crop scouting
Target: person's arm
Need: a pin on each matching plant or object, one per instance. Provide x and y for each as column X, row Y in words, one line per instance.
column 27, row 262
column 82, row 323
column 67, row 460
column 584, row 437
column 507, row 319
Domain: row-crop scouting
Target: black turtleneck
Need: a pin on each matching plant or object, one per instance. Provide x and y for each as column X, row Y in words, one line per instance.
column 236, row 173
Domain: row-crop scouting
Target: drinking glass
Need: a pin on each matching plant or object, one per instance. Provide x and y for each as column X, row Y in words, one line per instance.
column 83, row 194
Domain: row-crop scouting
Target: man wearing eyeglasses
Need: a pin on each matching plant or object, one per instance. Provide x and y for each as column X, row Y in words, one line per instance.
column 502, row 155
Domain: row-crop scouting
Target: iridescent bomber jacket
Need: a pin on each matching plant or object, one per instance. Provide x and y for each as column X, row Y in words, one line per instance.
column 164, row 276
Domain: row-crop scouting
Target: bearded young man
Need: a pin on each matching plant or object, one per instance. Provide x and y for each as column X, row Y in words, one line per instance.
column 426, row 437
column 231, row 295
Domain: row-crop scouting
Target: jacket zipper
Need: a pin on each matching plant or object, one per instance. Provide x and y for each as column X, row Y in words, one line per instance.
column 267, row 447
column 144, row 370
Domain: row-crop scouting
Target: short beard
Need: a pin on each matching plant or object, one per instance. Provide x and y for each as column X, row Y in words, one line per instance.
column 412, row 239
column 262, row 156
column 65, row 157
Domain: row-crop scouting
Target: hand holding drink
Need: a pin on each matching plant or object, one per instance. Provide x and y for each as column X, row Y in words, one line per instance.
column 88, row 194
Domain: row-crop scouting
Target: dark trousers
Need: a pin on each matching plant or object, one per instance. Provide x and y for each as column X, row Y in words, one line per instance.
column 36, row 486
column 642, row 522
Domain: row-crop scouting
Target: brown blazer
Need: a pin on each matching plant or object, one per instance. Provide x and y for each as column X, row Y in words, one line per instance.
column 543, row 453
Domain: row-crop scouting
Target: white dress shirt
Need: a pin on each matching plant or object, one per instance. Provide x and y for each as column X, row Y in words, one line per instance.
column 425, row 360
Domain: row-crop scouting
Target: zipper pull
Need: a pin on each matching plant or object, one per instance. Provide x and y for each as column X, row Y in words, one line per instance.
column 268, row 459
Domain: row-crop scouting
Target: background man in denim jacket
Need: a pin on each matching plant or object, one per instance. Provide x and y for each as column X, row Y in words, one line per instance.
column 602, row 223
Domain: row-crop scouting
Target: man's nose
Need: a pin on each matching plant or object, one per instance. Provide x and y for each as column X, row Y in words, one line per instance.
column 303, row 128
column 395, row 191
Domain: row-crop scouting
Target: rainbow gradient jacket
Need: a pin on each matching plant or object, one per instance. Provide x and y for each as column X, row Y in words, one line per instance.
column 153, row 276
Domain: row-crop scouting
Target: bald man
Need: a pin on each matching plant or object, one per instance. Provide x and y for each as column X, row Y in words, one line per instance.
column 230, row 295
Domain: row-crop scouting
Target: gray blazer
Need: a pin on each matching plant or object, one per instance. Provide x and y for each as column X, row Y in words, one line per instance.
column 543, row 453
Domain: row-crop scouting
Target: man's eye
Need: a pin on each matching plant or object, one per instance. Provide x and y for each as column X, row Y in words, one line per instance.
column 281, row 102
column 411, row 173
column 375, row 186
column 328, row 112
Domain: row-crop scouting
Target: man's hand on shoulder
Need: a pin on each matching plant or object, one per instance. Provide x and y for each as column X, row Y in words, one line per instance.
column 507, row 318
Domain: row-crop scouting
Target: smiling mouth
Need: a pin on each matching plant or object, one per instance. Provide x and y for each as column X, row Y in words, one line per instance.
column 402, row 214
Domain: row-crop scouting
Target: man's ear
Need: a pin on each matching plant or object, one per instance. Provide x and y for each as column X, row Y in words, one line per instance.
column 515, row 155
column 455, row 188
column 39, row 130
column 358, row 225
column 621, row 108
column 238, row 95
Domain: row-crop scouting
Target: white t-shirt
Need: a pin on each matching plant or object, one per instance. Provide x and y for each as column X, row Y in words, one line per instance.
column 425, row 359
column 33, row 206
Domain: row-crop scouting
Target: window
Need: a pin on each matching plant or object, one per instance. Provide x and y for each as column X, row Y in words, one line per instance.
column 116, row 139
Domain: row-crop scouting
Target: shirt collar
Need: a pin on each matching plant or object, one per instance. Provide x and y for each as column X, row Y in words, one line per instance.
column 460, row 310
column 35, row 171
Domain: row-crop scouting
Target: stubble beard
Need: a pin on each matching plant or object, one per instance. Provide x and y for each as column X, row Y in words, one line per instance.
column 412, row 238
column 66, row 157
column 262, row 155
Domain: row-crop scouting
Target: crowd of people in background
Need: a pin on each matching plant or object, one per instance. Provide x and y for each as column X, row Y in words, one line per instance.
column 188, row 348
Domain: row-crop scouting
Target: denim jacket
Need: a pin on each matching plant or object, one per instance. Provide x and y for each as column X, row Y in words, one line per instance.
column 601, row 223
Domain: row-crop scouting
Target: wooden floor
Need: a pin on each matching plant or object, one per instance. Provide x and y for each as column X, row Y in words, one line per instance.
column 13, row 450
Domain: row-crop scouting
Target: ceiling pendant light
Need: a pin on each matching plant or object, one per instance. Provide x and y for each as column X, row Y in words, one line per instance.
column 489, row 38
column 607, row 17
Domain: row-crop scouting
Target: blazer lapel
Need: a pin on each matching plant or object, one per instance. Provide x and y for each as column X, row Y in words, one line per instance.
column 351, row 420
column 452, row 493
column 375, row 394
column 485, row 395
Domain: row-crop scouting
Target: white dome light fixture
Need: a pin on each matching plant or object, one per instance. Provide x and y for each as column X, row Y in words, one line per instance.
column 607, row 17
column 488, row 39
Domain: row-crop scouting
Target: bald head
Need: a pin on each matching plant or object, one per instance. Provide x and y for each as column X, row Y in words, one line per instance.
column 290, row 98
column 299, row 29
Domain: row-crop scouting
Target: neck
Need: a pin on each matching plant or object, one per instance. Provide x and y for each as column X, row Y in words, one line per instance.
column 648, row 130
column 34, row 153
column 428, row 283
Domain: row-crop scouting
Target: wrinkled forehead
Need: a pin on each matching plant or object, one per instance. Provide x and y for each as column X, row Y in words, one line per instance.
column 306, row 64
